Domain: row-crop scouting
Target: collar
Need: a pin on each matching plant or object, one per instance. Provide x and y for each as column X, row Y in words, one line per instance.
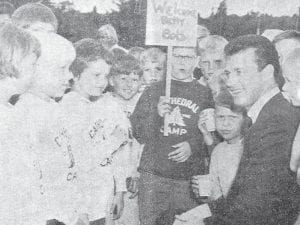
column 118, row 47
column 75, row 96
column 259, row 104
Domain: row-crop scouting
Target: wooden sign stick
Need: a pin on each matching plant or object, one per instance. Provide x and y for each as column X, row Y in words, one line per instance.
column 168, row 87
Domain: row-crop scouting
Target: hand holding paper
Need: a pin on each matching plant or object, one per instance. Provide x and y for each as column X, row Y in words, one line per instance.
column 194, row 216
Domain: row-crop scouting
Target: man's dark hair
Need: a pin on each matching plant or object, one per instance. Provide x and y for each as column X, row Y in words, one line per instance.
column 265, row 51
column 288, row 34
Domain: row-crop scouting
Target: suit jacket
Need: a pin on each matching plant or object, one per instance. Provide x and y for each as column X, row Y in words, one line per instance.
column 265, row 191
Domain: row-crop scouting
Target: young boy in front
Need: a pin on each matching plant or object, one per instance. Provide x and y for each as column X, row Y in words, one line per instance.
column 126, row 79
column 169, row 162
column 49, row 139
column 99, row 129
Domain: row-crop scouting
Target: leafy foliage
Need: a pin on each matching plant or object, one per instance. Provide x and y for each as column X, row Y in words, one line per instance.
column 130, row 21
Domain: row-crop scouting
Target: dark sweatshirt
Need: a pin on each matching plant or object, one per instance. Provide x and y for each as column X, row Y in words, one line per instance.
column 188, row 99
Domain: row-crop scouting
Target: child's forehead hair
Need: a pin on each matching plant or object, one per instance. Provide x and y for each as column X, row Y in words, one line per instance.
column 15, row 44
column 55, row 48
column 153, row 55
column 212, row 43
column 126, row 65
column 30, row 13
column 88, row 49
column 184, row 51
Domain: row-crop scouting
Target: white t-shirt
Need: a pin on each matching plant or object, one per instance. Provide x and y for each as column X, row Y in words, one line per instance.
column 57, row 193
column 92, row 125
column 134, row 148
column 224, row 163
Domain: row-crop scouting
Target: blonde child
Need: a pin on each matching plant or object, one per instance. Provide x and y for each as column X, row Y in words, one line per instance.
column 49, row 138
column 35, row 17
column 99, row 128
column 153, row 63
column 19, row 52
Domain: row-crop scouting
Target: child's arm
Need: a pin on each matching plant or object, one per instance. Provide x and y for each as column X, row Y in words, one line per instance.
column 145, row 120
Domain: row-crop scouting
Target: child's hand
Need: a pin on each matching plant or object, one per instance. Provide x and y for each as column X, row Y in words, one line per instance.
column 181, row 153
column 163, row 106
column 120, row 134
column 208, row 138
column 117, row 205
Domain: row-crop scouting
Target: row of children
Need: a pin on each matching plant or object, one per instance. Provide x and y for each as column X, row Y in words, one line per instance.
column 65, row 162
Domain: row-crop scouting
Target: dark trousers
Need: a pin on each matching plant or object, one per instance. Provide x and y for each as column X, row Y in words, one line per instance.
column 161, row 198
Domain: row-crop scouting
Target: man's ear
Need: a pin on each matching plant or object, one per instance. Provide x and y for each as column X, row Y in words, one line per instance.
column 267, row 72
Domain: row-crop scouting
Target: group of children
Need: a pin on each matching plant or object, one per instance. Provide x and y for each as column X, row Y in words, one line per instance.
column 66, row 161
column 74, row 153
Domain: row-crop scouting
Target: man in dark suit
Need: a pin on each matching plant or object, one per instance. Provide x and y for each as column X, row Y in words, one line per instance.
column 264, row 191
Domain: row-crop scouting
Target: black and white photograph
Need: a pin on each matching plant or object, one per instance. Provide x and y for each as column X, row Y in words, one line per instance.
column 149, row 112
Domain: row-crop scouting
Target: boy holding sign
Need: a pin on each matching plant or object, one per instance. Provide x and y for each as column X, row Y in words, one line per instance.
column 169, row 162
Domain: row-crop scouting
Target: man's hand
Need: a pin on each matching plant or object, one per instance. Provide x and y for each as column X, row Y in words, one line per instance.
column 117, row 205
column 181, row 153
column 163, row 106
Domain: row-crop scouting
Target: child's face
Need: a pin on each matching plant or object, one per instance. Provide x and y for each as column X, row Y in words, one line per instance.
column 26, row 68
column 228, row 123
column 211, row 64
column 183, row 64
column 126, row 86
column 53, row 77
column 292, row 82
column 93, row 80
column 152, row 72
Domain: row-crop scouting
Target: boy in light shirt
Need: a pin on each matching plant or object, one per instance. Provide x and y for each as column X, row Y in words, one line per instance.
column 126, row 79
column 19, row 52
column 99, row 128
column 49, row 138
